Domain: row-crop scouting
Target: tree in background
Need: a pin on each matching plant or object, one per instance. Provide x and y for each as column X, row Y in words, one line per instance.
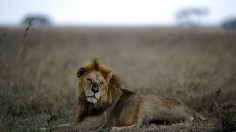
column 190, row 17
column 37, row 20
column 229, row 23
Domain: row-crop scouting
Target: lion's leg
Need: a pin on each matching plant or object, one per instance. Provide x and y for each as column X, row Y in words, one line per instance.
column 64, row 127
column 71, row 127
column 125, row 127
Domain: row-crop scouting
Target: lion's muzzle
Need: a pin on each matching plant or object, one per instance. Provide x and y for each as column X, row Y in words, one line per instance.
column 93, row 94
column 95, row 87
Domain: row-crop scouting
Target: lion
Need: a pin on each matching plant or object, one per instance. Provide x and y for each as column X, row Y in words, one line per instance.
column 104, row 99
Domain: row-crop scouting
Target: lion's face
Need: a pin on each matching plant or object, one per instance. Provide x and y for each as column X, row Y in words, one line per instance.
column 94, row 83
column 94, row 86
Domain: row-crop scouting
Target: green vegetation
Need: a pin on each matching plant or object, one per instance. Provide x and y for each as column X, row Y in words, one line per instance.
column 38, row 75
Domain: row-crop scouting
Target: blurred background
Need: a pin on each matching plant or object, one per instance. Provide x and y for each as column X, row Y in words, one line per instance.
column 184, row 49
column 118, row 13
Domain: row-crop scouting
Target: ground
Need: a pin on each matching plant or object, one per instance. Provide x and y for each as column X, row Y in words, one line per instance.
column 38, row 71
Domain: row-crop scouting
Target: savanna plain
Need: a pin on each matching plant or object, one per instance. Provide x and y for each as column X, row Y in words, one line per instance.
column 38, row 71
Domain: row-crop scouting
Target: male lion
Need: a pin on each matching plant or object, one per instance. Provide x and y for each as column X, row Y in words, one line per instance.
column 104, row 99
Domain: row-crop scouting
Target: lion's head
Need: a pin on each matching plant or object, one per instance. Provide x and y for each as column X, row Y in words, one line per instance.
column 98, row 90
column 94, row 82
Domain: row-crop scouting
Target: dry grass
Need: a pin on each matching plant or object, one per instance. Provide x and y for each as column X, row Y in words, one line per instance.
column 38, row 86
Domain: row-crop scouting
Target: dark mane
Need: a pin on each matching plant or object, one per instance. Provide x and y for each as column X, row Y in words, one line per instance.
column 115, row 82
column 117, row 87
column 95, row 64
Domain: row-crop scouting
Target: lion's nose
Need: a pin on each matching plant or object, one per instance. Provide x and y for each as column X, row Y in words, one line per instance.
column 95, row 88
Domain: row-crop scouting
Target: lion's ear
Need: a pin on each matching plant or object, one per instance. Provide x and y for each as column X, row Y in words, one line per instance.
column 81, row 71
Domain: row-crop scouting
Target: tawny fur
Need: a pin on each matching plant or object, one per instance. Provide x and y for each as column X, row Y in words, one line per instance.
column 121, row 107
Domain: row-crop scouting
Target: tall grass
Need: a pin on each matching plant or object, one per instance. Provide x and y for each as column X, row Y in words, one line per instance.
column 39, row 90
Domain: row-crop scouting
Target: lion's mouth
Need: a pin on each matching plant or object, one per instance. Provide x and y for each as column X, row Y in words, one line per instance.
column 93, row 96
column 92, row 99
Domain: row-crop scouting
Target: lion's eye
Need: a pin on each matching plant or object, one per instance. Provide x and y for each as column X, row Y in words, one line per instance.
column 101, row 83
column 89, row 80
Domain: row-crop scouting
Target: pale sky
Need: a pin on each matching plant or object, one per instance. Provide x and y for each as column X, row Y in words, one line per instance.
column 113, row 12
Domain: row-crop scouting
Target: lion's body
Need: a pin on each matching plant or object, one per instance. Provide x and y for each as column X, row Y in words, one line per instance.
column 119, row 106
column 140, row 109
